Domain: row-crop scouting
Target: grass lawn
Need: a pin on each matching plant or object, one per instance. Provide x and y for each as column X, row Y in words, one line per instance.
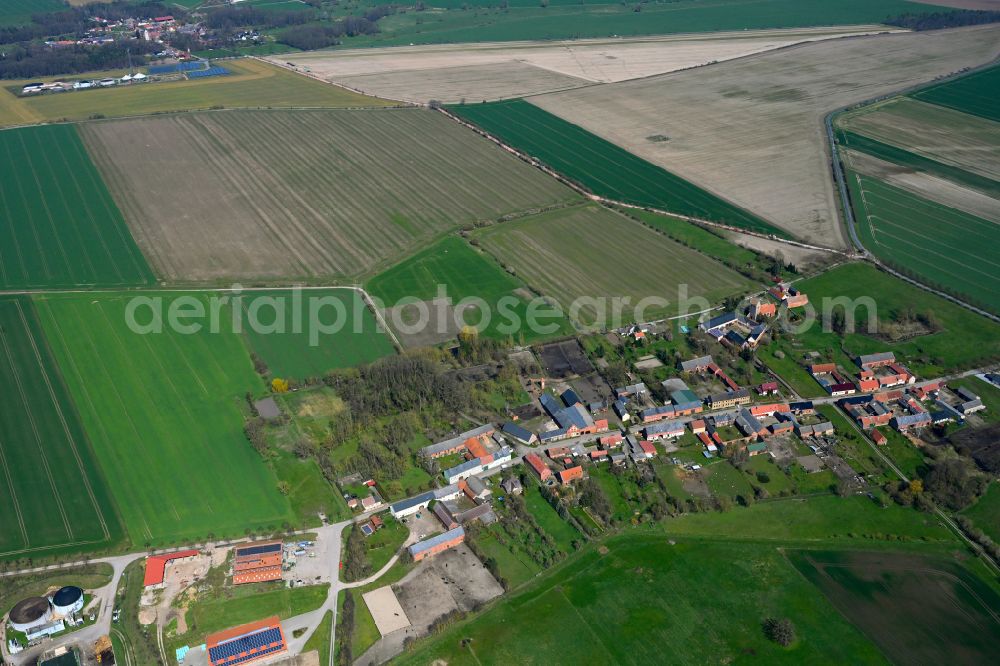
column 621, row 511
column 514, row 568
column 309, row 493
column 644, row 594
column 165, row 414
column 465, row 273
column 985, row 513
column 44, row 450
column 777, row 480
column 210, row 616
column 669, row 473
column 385, row 543
column 288, row 330
column 252, row 84
column 724, row 479
column 945, row 247
column 843, row 520
column 964, row 340
column 816, row 482
column 140, row 643
column 586, row 520
column 574, row 255
column 918, row 610
column 549, row 520
column 61, row 227
column 320, row 640
column 902, row 451
column 601, row 166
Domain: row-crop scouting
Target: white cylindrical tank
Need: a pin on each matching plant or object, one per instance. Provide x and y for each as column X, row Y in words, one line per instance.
column 68, row 600
column 30, row 613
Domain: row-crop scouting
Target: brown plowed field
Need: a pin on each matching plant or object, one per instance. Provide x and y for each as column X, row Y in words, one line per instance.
column 298, row 194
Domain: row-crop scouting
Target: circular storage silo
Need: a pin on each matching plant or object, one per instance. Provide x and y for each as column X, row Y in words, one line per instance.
column 30, row 613
column 68, row 600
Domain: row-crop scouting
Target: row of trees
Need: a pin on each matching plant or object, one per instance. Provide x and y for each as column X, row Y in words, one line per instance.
column 31, row 60
column 938, row 20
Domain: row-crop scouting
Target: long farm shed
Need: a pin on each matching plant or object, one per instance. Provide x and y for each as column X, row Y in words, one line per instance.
column 59, row 226
column 53, row 496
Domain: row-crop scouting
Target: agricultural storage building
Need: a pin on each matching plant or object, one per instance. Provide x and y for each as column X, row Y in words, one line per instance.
column 257, row 563
column 437, row 544
column 246, row 643
column 67, row 601
column 30, row 613
column 156, row 566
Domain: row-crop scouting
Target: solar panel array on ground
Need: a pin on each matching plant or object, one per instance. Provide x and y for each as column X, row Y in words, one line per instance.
column 177, row 67
column 211, row 71
column 248, row 647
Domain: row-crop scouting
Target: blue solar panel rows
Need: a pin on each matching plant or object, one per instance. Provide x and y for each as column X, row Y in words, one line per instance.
column 211, row 71
column 224, row 653
column 259, row 550
column 179, row 67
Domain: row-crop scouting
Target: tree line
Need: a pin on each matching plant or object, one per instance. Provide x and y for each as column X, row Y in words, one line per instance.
column 939, row 20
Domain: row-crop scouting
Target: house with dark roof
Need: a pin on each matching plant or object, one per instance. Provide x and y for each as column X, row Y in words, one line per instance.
column 516, row 432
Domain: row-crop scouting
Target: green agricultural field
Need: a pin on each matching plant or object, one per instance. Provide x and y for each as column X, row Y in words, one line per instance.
column 963, row 339
column 486, row 20
column 942, row 246
column 698, row 238
column 643, row 595
column 54, row 498
column 919, row 163
column 17, row 12
column 465, row 273
column 306, row 333
column 585, row 253
column 599, row 165
column 918, row 610
column 985, row 513
column 165, row 414
column 978, row 94
column 60, row 226
column 252, row 84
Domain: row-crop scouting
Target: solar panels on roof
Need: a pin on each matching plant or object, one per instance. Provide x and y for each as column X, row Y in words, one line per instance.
column 261, row 549
column 248, row 647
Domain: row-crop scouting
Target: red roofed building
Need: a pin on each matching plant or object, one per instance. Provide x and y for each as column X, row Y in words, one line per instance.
column 797, row 301
column 570, row 474
column 878, row 438
column 476, row 448
column 156, row 566
column 761, row 308
column 821, row 368
column 540, row 468
column 768, row 388
column 647, row 448
column 246, row 643
column 598, row 455
column 767, row 410
column 868, row 385
column 697, row 426
column 614, row 439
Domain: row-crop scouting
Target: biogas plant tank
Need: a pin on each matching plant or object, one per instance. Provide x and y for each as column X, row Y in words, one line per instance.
column 30, row 613
column 68, row 600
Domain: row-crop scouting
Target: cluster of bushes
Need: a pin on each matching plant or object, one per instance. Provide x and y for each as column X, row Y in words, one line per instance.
column 345, row 629
column 991, row 547
column 318, row 36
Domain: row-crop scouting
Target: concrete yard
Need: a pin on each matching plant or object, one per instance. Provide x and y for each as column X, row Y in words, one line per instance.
column 385, row 610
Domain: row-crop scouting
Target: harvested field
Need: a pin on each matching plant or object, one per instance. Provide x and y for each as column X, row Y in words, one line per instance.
column 924, row 185
column 599, row 165
column 943, row 246
column 454, row 84
column 299, row 194
column 959, row 139
column 163, row 411
column 916, row 609
column 60, row 226
column 593, row 254
column 751, row 130
column 251, row 84
column 53, row 496
column 501, row 70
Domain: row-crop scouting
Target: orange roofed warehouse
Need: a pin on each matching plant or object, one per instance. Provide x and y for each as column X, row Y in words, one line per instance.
column 257, row 563
column 156, row 566
column 246, row 643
